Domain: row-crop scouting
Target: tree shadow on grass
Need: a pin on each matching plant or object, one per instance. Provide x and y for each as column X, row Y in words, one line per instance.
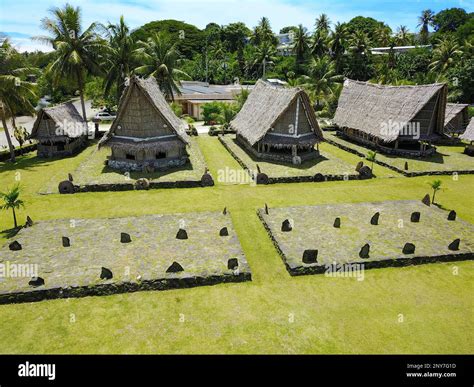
column 10, row 233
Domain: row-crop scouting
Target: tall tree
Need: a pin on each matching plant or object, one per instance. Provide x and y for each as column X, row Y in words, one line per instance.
column 78, row 52
column 425, row 20
column 265, row 55
column 160, row 58
column 337, row 45
column 445, row 55
column 15, row 94
column 301, row 44
column 323, row 24
column 321, row 79
column 119, row 61
column 403, row 36
column 263, row 33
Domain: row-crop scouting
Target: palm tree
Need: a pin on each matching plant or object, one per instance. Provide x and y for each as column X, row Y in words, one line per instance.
column 77, row 51
column 15, row 94
column 323, row 24
column 424, row 21
column 263, row 32
column 371, row 156
column 383, row 35
column 301, row 44
column 12, row 201
column 119, row 61
column 403, row 36
column 321, row 79
column 320, row 46
column 161, row 58
column 264, row 54
column 445, row 54
column 435, row 186
column 337, row 44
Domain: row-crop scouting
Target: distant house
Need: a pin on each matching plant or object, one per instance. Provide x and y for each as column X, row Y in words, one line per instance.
column 402, row 120
column 456, row 119
column 278, row 123
column 195, row 94
column 397, row 49
column 285, row 44
column 60, row 131
column 146, row 135
column 468, row 136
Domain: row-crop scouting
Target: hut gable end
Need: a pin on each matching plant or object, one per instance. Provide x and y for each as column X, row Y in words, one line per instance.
column 64, row 117
column 273, row 110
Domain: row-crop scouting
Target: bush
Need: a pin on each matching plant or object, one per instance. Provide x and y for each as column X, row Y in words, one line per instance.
column 177, row 109
column 211, row 112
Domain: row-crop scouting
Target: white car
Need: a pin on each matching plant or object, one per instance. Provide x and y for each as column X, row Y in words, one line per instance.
column 105, row 116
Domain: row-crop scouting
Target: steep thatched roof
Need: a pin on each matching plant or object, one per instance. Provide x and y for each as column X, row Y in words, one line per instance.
column 65, row 117
column 265, row 105
column 367, row 107
column 468, row 134
column 150, row 89
column 453, row 111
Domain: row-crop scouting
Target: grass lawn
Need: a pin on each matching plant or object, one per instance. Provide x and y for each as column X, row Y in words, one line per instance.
column 274, row 313
column 91, row 170
column 330, row 163
column 447, row 158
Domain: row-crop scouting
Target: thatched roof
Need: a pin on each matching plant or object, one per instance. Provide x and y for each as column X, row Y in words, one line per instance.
column 65, row 117
column 367, row 107
column 265, row 105
column 453, row 110
column 468, row 134
column 150, row 89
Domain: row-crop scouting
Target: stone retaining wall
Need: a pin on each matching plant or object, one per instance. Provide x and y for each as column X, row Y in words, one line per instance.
column 5, row 155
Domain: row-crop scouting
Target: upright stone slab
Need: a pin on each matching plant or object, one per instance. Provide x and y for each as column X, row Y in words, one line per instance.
column 359, row 165
column 175, row 268
column 415, row 217
column 266, row 209
column 426, row 200
column 286, row 226
column 374, row 221
column 66, row 242
column 232, row 263
column 365, row 172
column 106, row 274
column 15, row 246
column 310, row 256
column 454, row 245
column 36, row 282
column 406, row 166
column 70, row 178
column 29, row 222
column 225, row 211
column 182, row 234
column 125, row 238
column 224, row 232
column 337, row 223
column 452, row 215
column 207, row 180
column 364, row 251
column 409, row 248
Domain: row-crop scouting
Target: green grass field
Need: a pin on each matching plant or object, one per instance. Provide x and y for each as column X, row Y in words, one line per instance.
column 274, row 313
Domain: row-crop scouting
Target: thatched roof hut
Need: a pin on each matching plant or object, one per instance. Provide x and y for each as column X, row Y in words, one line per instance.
column 381, row 114
column 58, row 121
column 468, row 134
column 276, row 118
column 146, row 132
column 60, row 130
column 456, row 118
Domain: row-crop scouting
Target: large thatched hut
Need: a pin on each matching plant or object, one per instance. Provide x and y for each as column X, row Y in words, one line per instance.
column 60, row 131
column 278, row 123
column 402, row 120
column 456, row 119
column 468, row 136
column 146, row 135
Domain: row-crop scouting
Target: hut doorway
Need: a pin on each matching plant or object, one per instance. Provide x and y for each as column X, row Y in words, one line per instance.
column 161, row 155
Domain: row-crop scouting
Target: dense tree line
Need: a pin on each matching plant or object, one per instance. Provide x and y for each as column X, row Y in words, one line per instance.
column 95, row 61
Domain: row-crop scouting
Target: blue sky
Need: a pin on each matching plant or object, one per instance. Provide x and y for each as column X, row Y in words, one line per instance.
column 21, row 18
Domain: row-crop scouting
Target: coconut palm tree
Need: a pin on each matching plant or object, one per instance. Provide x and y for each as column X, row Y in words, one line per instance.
column 160, row 58
column 301, row 44
column 435, row 186
column 337, row 44
column 383, row 35
column 371, row 156
column 445, row 54
column 15, row 94
column 119, row 61
column 321, row 80
column 78, row 52
column 425, row 20
column 12, row 201
column 265, row 54
column 403, row 36
column 263, row 33
column 323, row 24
